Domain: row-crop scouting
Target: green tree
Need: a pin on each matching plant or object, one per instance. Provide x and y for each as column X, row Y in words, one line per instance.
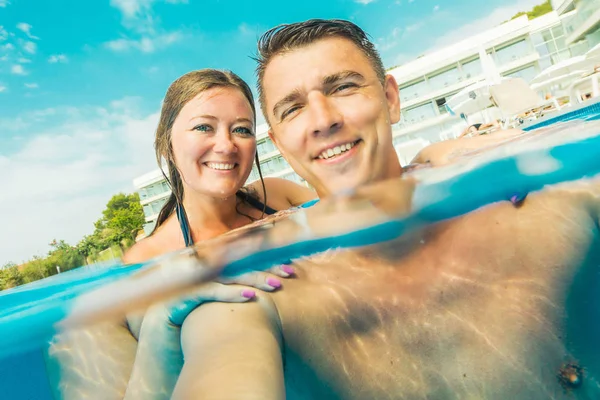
column 536, row 11
column 63, row 255
column 10, row 276
column 35, row 269
column 121, row 221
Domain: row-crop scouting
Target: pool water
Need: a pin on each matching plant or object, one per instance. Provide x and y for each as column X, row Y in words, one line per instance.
column 29, row 314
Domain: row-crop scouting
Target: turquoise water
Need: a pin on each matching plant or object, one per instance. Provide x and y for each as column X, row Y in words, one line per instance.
column 569, row 151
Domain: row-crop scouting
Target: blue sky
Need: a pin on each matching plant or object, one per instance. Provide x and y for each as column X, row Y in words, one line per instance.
column 81, row 84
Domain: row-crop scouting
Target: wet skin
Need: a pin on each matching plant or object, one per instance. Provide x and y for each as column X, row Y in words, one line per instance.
column 489, row 305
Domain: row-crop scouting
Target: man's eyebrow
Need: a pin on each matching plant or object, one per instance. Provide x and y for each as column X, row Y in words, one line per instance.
column 327, row 81
column 339, row 76
column 289, row 98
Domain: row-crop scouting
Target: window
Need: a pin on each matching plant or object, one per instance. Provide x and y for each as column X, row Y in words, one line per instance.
column 265, row 147
column 472, row 69
column 441, row 105
column 526, row 74
column 554, row 47
column 511, row 53
column 445, row 79
column 413, row 91
column 418, row 114
column 558, row 31
column 267, row 166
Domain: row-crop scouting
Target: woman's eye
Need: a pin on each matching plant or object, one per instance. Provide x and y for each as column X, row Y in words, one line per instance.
column 202, row 128
column 243, row 130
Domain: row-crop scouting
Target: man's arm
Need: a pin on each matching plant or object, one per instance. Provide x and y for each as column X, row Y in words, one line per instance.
column 98, row 358
column 232, row 351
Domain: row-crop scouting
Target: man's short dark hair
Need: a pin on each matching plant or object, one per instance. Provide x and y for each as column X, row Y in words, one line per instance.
column 288, row 37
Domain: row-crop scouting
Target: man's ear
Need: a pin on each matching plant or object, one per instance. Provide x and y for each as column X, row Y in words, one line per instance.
column 392, row 95
column 274, row 140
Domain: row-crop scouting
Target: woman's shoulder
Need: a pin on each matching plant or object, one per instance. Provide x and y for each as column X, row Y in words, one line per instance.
column 143, row 250
column 160, row 242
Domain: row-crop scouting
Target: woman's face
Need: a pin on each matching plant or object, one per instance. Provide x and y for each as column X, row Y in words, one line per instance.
column 214, row 143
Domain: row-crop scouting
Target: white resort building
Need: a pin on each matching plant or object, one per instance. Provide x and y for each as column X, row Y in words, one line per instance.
column 519, row 48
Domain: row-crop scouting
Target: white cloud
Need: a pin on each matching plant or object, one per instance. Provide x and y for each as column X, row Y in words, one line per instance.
column 60, row 180
column 18, row 70
column 2, row 88
column 139, row 19
column 8, row 46
column 245, row 29
column 4, row 3
column 414, row 27
column 131, row 8
column 22, row 60
column 145, row 44
column 57, row 58
column 492, row 19
column 436, row 8
column 3, row 34
column 29, row 47
column 26, row 28
column 364, row 1
column 31, row 85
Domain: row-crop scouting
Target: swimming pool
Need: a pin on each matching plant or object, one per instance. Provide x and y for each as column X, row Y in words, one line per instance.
column 586, row 111
column 29, row 313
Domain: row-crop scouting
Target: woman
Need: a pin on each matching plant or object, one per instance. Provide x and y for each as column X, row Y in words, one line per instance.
column 206, row 135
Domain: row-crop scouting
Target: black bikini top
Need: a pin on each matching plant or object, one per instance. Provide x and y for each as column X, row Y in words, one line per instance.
column 185, row 227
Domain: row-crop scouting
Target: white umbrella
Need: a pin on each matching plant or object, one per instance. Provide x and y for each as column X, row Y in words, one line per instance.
column 476, row 97
column 492, row 75
column 562, row 69
column 471, row 99
column 563, row 79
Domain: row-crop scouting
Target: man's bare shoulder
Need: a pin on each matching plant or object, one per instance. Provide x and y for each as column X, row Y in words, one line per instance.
column 583, row 192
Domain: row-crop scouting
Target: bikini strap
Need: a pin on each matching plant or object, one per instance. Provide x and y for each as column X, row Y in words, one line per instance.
column 184, row 224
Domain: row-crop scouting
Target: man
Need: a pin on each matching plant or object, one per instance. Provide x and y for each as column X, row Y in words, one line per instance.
column 496, row 304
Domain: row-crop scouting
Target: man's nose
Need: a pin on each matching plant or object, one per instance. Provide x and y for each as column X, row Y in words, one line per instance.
column 325, row 117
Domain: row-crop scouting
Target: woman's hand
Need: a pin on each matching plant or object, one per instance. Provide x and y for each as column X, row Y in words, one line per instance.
column 159, row 357
column 227, row 291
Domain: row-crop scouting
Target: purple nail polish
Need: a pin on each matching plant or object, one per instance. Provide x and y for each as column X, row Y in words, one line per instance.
column 517, row 199
column 274, row 282
column 249, row 294
column 288, row 269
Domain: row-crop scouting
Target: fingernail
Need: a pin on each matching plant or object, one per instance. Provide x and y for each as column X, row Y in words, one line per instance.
column 288, row 269
column 249, row 294
column 274, row 282
column 517, row 199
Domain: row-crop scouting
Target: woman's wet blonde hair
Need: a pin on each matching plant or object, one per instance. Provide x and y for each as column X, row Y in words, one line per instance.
column 178, row 95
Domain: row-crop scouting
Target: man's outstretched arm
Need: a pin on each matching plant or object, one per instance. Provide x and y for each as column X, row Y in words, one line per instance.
column 232, row 351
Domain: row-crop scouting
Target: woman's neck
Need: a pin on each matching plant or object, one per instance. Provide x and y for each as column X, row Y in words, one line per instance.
column 209, row 215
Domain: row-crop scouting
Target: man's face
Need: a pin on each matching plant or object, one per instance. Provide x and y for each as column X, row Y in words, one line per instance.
column 330, row 116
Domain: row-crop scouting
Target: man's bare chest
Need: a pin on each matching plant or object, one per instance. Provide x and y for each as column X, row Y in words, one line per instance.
column 441, row 311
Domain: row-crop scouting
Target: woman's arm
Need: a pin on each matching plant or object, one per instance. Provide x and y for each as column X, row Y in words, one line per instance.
column 283, row 193
column 232, row 351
